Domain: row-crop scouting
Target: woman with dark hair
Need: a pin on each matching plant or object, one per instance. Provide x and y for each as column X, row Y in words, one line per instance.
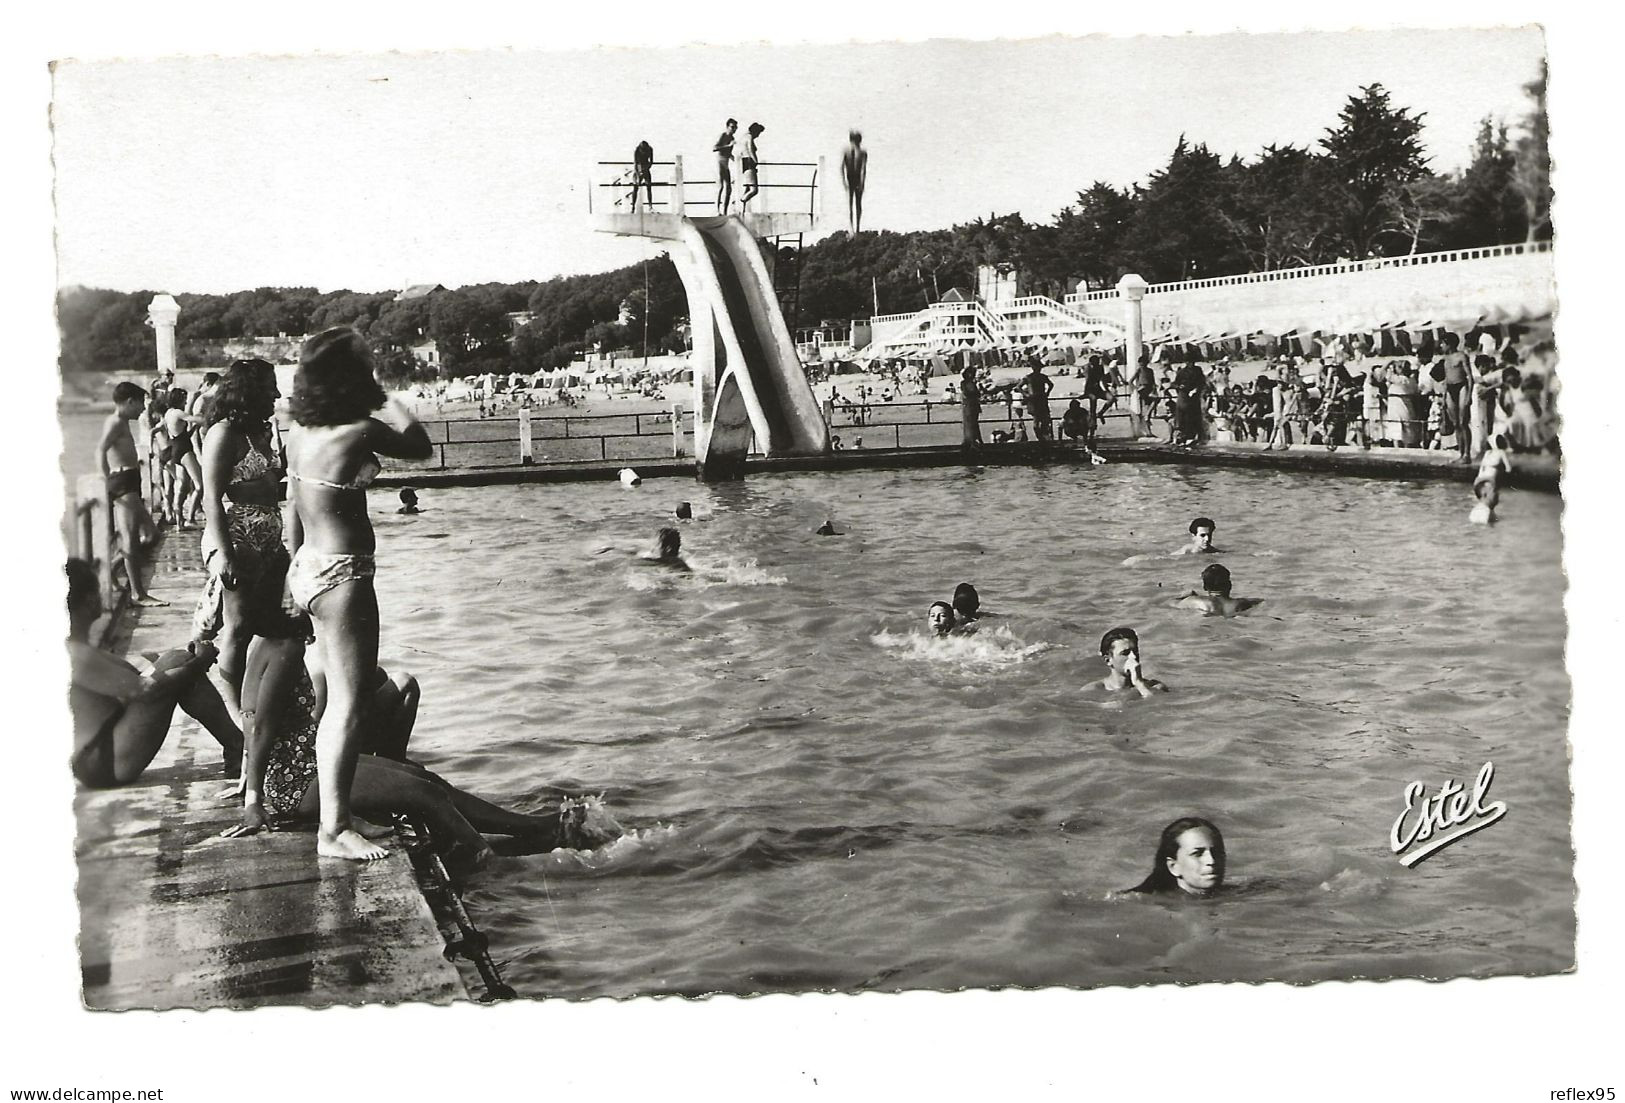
column 1189, row 861
column 158, row 450
column 186, row 494
column 242, row 544
column 282, row 703
column 332, row 459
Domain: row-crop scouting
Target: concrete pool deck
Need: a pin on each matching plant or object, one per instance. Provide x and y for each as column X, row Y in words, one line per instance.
column 1541, row 473
column 172, row 915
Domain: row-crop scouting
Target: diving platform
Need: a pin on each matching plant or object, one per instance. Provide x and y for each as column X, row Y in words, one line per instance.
column 751, row 393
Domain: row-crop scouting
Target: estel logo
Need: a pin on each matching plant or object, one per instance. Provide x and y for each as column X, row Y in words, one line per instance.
column 1448, row 816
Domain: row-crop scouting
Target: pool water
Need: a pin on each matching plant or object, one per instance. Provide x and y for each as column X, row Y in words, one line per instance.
column 819, row 796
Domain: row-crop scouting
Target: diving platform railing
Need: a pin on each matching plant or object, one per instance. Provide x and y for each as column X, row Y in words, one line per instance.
column 786, row 188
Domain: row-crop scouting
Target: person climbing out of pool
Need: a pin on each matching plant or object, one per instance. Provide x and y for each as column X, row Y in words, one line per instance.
column 1120, row 649
column 667, row 551
column 282, row 709
column 1492, row 471
column 120, row 469
column 967, row 603
column 332, row 459
column 409, row 501
column 122, row 716
column 1201, row 543
column 1215, row 599
column 1189, row 860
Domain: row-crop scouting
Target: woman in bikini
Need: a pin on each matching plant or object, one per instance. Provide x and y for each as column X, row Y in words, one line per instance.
column 186, row 496
column 332, row 459
column 283, row 701
column 242, row 542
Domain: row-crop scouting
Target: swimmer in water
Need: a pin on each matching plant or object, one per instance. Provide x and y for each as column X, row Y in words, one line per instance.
column 1120, row 648
column 1201, row 531
column 1492, row 469
column 685, row 512
column 940, row 616
column 826, row 529
column 1189, row 861
column 668, row 551
column 967, row 602
column 409, row 501
column 1215, row 599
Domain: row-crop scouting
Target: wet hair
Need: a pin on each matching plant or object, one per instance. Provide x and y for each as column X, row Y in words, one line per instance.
column 669, row 541
column 1216, row 579
column 177, row 398
column 952, row 619
column 1119, row 633
column 242, row 398
column 1200, row 522
column 126, row 390
column 408, row 494
column 1162, row 878
column 334, row 384
column 966, row 600
column 82, row 582
column 684, row 511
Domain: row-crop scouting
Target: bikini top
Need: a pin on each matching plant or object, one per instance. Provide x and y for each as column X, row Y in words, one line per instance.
column 363, row 478
column 254, row 465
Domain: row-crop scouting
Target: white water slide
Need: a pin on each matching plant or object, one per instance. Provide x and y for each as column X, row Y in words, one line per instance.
column 749, row 384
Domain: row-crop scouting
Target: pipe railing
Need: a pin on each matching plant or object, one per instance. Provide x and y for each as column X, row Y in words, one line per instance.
column 508, row 450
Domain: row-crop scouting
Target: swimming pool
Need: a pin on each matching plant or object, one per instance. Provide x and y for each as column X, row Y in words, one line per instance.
column 822, row 798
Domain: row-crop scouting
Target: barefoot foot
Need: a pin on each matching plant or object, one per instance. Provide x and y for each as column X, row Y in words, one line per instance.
column 149, row 602
column 349, row 845
column 369, row 830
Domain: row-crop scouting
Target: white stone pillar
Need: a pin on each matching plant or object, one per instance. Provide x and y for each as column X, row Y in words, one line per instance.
column 677, row 204
column 162, row 314
column 1131, row 289
column 526, row 456
column 676, row 429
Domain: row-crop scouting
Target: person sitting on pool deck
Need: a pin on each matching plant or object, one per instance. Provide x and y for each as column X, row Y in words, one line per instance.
column 409, row 501
column 1189, row 860
column 121, row 716
column 1215, row 600
column 668, row 551
column 1201, row 531
column 1120, row 648
column 282, row 705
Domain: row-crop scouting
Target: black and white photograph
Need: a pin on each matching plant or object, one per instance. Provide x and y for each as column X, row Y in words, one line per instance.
column 941, row 525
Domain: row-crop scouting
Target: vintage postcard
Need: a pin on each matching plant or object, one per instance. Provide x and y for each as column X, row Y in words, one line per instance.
column 1072, row 512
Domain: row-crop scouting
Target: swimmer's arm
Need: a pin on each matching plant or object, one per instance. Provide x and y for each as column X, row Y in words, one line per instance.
column 1245, row 603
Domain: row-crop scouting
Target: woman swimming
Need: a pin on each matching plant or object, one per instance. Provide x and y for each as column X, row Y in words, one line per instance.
column 242, row 542
column 332, row 461
column 1189, row 860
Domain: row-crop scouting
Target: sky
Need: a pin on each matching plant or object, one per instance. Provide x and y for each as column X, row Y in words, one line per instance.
column 374, row 171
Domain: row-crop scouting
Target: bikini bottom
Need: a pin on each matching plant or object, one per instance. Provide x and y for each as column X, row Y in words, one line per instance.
column 313, row 573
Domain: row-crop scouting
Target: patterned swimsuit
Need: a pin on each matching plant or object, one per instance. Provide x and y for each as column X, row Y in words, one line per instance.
column 291, row 766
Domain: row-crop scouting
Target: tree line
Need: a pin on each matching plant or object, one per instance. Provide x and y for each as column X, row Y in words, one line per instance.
column 1364, row 190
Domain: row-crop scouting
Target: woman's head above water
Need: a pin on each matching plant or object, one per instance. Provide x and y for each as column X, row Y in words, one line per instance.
column 1189, row 860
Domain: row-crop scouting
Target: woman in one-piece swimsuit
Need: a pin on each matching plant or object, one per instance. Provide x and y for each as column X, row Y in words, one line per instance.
column 242, row 545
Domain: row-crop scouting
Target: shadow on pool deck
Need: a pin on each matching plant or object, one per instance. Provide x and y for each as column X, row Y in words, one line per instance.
column 172, row 915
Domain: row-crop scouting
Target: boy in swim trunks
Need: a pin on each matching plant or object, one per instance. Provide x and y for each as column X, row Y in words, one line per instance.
column 724, row 149
column 1492, row 469
column 121, row 469
column 121, row 716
